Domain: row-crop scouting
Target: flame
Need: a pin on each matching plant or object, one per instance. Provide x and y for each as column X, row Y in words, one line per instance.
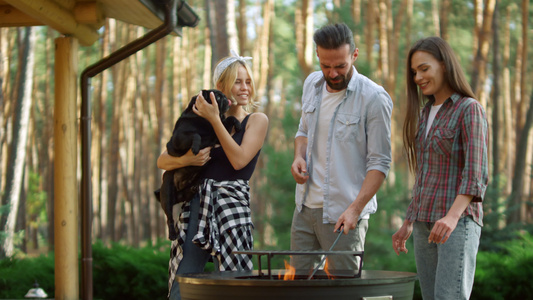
column 327, row 270
column 290, row 272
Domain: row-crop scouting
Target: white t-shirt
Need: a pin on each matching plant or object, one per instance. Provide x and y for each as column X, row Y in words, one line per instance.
column 431, row 117
column 330, row 101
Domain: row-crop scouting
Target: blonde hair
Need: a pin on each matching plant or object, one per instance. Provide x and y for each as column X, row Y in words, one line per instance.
column 227, row 79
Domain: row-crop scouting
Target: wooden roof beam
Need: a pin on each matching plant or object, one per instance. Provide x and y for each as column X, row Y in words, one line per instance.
column 89, row 13
column 12, row 17
column 64, row 21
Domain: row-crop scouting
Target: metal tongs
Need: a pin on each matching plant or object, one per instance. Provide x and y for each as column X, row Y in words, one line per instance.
column 324, row 258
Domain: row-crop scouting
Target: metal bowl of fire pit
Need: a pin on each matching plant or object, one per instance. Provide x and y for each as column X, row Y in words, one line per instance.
column 258, row 285
column 251, row 285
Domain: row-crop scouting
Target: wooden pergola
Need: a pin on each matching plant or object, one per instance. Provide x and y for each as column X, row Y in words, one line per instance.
column 78, row 22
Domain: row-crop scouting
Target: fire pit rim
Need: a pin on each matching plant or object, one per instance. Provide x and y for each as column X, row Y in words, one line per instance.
column 368, row 277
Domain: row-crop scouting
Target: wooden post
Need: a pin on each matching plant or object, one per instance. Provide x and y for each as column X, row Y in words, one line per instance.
column 65, row 162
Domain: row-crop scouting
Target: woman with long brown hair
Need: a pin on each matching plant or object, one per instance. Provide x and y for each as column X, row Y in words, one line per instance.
column 445, row 137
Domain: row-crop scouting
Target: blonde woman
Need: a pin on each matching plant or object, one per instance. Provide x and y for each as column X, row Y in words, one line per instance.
column 224, row 196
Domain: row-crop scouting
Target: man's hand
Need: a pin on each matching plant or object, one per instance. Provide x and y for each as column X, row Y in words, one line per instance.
column 348, row 219
column 299, row 170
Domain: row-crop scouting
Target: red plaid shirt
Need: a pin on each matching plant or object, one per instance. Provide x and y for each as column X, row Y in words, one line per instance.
column 452, row 160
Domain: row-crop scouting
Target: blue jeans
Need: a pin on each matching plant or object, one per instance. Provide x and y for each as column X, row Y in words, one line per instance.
column 446, row 271
column 194, row 258
column 308, row 232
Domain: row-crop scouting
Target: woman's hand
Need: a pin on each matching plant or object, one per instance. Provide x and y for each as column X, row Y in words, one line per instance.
column 206, row 110
column 444, row 227
column 168, row 162
column 401, row 236
column 442, row 230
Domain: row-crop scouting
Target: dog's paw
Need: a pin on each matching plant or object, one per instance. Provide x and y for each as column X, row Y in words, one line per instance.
column 238, row 126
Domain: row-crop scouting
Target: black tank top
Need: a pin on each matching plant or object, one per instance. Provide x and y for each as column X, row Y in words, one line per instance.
column 219, row 168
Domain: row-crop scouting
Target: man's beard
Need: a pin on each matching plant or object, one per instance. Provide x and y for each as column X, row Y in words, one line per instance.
column 341, row 85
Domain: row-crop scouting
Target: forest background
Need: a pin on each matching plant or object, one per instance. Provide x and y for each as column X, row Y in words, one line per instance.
column 136, row 102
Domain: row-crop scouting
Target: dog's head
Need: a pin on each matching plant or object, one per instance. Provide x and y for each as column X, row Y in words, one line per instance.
column 222, row 100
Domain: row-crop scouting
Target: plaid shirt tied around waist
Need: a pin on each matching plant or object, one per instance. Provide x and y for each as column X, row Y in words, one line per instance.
column 452, row 160
column 224, row 225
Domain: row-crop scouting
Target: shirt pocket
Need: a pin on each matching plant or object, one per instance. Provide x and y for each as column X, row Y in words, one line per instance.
column 308, row 108
column 442, row 141
column 346, row 126
column 309, row 111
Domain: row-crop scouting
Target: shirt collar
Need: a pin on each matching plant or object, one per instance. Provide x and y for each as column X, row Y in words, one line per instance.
column 454, row 98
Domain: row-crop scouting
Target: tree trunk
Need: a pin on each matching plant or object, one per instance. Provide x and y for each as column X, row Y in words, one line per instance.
column 516, row 92
column 99, row 145
column 233, row 38
column 148, row 206
column 394, row 58
column 241, row 26
column 138, row 171
column 394, row 48
column 508, row 139
column 435, row 17
column 496, row 110
column 112, row 217
column 20, row 133
column 163, row 119
column 478, row 20
column 20, row 223
column 129, row 150
column 263, row 47
column 480, row 63
column 304, row 36
column 369, row 31
column 515, row 201
column 9, row 40
column 524, row 83
column 408, row 22
column 193, row 42
column 383, row 65
column 4, row 71
column 154, row 111
column 216, row 11
column 356, row 16
column 46, row 157
column 444, row 13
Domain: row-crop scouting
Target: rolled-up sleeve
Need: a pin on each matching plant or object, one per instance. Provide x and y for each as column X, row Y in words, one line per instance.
column 475, row 140
column 379, row 133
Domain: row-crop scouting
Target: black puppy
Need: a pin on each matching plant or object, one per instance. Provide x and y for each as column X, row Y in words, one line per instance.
column 190, row 132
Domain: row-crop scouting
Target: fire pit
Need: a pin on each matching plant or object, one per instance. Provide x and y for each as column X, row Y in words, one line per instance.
column 258, row 285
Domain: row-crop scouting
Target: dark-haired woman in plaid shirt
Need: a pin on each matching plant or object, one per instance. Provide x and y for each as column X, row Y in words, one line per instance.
column 446, row 145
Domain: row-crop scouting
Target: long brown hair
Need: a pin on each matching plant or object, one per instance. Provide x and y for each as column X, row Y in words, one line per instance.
column 454, row 76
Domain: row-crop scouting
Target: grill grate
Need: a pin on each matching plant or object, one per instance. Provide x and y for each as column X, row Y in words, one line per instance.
column 270, row 254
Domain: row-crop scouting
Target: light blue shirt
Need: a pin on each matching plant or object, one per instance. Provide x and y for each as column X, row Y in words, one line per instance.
column 359, row 140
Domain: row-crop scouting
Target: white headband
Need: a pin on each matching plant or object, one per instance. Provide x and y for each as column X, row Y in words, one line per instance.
column 226, row 62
